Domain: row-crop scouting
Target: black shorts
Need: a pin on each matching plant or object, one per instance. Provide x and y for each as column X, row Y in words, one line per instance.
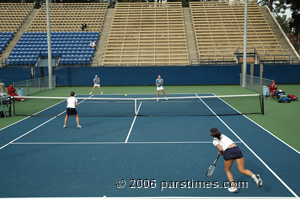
column 71, row 111
column 232, row 153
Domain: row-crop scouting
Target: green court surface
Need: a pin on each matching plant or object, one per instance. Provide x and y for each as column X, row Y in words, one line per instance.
column 280, row 119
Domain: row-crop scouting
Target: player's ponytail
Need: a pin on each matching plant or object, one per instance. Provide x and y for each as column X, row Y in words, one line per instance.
column 215, row 133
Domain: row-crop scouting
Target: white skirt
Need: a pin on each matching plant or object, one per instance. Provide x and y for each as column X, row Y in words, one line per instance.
column 96, row 84
column 159, row 88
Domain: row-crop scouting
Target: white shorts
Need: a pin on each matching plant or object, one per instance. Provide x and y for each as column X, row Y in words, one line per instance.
column 160, row 88
column 96, row 84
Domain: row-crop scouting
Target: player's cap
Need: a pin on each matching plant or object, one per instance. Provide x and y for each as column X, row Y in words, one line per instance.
column 72, row 93
column 214, row 130
column 273, row 81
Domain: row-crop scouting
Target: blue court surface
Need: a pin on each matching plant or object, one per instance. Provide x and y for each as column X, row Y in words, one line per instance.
column 140, row 156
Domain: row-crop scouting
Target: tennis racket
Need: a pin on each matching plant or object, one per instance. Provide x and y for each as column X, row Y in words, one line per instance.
column 212, row 167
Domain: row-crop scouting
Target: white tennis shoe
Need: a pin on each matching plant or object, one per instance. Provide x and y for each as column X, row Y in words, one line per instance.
column 78, row 126
column 91, row 93
column 233, row 189
column 259, row 182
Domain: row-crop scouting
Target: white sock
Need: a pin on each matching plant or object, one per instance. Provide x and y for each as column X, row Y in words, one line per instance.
column 255, row 178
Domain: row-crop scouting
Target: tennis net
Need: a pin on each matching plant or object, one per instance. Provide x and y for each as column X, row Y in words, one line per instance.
column 256, row 83
column 126, row 106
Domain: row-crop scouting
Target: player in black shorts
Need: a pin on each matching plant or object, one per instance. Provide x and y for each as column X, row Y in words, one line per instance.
column 72, row 103
column 231, row 152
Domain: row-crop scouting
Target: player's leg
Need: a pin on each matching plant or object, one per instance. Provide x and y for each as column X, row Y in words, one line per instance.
column 100, row 89
column 164, row 92
column 77, row 120
column 66, row 120
column 228, row 164
column 92, row 90
column 241, row 166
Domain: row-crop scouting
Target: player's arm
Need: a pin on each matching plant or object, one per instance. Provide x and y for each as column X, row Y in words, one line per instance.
column 220, row 149
column 162, row 82
column 156, row 83
column 76, row 103
column 98, row 81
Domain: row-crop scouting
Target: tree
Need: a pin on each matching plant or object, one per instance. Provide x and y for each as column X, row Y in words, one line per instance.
column 295, row 8
column 278, row 6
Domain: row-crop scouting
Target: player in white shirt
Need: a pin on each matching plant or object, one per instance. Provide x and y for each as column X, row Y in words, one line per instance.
column 231, row 152
column 96, row 81
column 72, row 103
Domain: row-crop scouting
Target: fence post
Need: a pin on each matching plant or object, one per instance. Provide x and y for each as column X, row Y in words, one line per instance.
column 40, row 84
column 27, row 87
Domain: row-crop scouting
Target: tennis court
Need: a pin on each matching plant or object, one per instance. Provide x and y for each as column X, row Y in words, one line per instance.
column 142, row 148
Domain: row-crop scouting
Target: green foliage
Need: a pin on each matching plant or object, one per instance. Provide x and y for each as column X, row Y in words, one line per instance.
column 295, row 8
column 280, row 6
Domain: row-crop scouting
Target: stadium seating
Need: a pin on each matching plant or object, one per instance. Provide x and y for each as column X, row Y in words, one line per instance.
column 67, row 17
column 73, row 48
column 12, row 15
column 146, row 34
column 219, row 28
column 5, row 37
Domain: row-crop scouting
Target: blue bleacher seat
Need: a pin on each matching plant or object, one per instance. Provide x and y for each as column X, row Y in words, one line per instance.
column 73, row 47
column 5, row 37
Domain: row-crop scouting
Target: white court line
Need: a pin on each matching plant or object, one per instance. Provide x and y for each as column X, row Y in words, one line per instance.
column 35, row 127
column 133, row 123
column 251, row 150
column 29, row 131
column 30, row 116
column 104, row 143
column 158, row 197
column 264, row 129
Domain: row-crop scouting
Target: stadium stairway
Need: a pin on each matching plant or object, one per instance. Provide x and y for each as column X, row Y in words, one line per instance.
column 104, row 34
column 191, row 42
column 285, row 43
column 19, row 34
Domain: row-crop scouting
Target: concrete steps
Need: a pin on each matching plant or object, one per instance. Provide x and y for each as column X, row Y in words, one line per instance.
column 19, row 34
column 281, row 37
column 103, row 37
column 190, row 37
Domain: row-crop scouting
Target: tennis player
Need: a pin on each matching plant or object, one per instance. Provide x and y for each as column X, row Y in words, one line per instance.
column 96, row 83
column 231, row 152
column 72, row 103
column 159, row 84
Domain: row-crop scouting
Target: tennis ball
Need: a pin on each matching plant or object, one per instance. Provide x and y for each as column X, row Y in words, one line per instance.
column 126, row 95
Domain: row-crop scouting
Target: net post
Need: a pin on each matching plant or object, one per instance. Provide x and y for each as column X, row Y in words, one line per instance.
column 27, row 87
column 135, row 107
column 14, row 107
column 262, row 106
column 40, row 84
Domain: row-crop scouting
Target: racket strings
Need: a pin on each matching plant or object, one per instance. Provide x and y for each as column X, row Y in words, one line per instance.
column 210, row 170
